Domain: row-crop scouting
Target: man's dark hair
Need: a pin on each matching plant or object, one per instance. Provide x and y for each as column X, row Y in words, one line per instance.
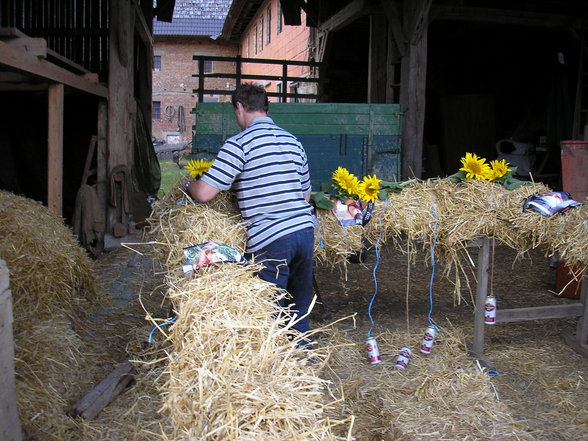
column 251, row 96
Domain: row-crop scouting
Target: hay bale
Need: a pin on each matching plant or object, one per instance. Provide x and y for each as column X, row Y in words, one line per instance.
column 50, row 273
column 233, row 373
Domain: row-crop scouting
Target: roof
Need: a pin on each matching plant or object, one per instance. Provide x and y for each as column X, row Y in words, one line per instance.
column 189, row 26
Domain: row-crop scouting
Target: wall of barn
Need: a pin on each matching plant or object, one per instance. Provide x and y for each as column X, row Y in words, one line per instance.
column 268, row 37
column 174, row 83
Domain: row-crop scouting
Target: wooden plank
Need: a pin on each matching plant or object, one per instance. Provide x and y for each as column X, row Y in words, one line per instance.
column 539, row 313
column 481, row 293
column 10, row 429
column 90, row 405
column 38, row 67
column 55, row 149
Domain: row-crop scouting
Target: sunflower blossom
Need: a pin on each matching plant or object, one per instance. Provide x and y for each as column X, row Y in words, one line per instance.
column 197, row 167
column 475, row 167
column 345, row 181
column 499, row 169
column 369, row 188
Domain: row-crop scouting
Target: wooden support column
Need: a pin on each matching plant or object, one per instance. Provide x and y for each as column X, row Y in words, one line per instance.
column 377, row 60
column 121, row 108
column 413, row 87
column 10, row 429
column 481, row 293
column 55, row 149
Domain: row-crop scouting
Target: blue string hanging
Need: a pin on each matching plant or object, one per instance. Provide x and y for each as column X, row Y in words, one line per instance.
column 431, row 323
column 374, row 272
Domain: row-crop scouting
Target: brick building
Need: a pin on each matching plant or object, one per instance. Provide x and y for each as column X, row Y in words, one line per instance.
column 193, row 31
column 266, row 36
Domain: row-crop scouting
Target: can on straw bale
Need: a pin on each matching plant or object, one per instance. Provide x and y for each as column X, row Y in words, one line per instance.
column 373, row 351
column 428, row 340
column 403, row 358
column 490, row 310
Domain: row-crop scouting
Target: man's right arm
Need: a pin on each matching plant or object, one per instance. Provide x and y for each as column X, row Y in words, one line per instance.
column 202, row 191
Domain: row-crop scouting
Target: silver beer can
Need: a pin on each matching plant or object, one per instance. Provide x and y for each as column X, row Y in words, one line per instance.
column 428, row 340
column 490, row 310
column 403, row 358
column 373, row 351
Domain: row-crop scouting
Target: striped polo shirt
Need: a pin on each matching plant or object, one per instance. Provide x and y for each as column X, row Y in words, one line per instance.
column 267, row 168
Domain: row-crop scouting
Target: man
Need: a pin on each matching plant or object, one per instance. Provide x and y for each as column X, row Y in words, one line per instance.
column 268, row 169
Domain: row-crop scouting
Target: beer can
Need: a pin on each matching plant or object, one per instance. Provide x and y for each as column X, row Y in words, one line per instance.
column 403, row 358
column 373, row 351
column 490, row 310
column 428, row 340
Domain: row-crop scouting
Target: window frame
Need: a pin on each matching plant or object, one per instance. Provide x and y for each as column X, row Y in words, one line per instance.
column 156, row 110
column 268, row 38
column 157, row 65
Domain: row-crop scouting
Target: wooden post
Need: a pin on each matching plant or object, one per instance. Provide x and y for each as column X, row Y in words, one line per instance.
column 55, row 149
column 481, row 293
column 10, row 429
column 413, row 87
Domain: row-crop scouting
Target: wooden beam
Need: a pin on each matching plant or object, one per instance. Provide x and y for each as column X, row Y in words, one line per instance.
column 539, row 313
column 481, row 293
column 347, row 15
column 499, row 16
column 392, row 14
column 10, row 429
column 55, row 150
column 141, row 26
column 420, row 22
column 40, row 68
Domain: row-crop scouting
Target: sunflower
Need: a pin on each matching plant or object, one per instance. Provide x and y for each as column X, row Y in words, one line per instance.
column 475, row 167
column 198, row 167
column 345, row 182
column 499, row 169
column 369, row 188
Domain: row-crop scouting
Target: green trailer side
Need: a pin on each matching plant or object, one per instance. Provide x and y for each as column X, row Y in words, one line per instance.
column 364, row 138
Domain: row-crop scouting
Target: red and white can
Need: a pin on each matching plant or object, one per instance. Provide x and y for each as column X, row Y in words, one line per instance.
column 403, row 358
column 373, row 351
column 428, row 340
column 490, row 310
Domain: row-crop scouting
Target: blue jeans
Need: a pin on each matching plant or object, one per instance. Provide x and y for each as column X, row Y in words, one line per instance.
column 288, row 263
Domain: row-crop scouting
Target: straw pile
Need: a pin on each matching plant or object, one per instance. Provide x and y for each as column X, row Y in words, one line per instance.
column 445, row 395
column 233, row 373
column 50, row 273
column 53, row 286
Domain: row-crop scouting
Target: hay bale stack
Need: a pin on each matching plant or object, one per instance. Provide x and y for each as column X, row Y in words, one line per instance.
column 233, row 373
column 50, row 273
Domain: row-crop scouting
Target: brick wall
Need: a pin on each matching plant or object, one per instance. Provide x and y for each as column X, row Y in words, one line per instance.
column 173, row 85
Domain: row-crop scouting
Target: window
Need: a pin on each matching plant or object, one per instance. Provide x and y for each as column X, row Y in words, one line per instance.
column 279, row 90
column 268, row 38
column 280, row 17
column 255, row 42
column 260, row 34
column 207, row 66
column 157, row 63
column 247, row 54
column 156, row 110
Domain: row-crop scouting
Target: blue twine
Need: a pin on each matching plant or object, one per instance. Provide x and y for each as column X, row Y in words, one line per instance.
column 492, row 373
column 374, row 273
column 431, row 323
column 168, row 322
